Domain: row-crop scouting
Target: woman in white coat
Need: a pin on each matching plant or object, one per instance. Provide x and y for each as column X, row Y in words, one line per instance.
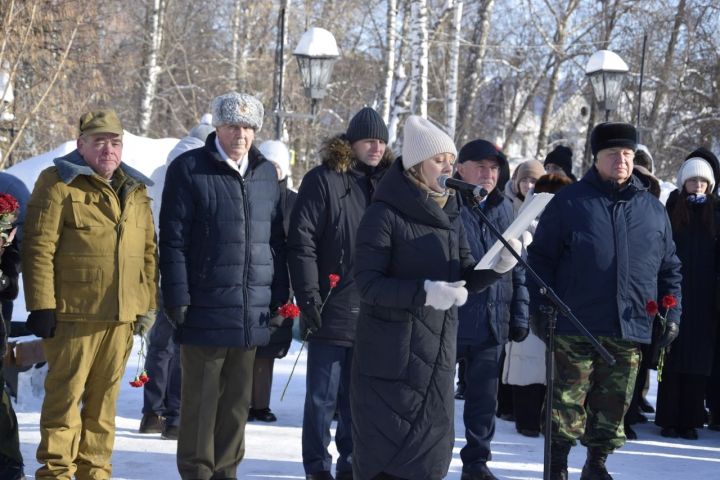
column 524, row 367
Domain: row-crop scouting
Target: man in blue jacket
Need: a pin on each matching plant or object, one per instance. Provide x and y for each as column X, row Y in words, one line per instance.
column 604, row 244
column 222, row 259
column 490, row 317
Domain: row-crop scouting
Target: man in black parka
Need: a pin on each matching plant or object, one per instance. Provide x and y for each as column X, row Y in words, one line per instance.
column 222, row 258
column 321, row 241
column 489, row 318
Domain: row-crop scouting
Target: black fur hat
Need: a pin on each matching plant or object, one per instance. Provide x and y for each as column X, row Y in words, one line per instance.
column 613, row 134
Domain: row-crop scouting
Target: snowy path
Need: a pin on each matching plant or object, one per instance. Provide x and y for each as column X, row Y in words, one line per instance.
column 273, row 451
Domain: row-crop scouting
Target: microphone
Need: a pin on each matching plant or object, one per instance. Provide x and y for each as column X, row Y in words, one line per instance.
column 446, row 181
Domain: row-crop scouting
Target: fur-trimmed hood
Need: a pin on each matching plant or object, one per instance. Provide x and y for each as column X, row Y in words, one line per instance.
column 336, row 154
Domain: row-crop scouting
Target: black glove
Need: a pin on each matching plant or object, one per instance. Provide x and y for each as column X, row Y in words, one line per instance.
column 672, row 330
column 176, row 315
column 310, row 320
column 518, row 334
column 42, row 323
column 540, row 319
column 3, row 339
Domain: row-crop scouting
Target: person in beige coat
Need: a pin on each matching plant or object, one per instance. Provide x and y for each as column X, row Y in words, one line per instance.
column 89, row 268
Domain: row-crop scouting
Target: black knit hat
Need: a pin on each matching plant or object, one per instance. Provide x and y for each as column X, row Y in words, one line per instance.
column 612, row 135
column 367, row 123
column 562, row 157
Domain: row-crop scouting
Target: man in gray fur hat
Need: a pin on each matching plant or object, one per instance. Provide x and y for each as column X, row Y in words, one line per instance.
column 222, row 250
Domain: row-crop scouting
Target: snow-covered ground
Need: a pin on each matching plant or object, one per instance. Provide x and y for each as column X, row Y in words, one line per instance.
column 273, row 450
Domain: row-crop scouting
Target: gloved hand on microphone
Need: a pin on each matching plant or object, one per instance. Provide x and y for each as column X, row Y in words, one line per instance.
column 443, row 295
column 506, row 262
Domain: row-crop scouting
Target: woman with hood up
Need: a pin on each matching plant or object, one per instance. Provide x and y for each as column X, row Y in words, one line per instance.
column 413, row 267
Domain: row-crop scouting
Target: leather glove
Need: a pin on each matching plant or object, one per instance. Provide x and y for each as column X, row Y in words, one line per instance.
column 672, row 330
column 144, row 323
column 310, row 319
column 506, row 262
column 539, row 321
column 176, row 315
column 42, row 323
column 518, row 334
column 443, row 295
column 277, row 321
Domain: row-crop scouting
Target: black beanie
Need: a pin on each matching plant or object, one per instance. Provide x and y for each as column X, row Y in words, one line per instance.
column 612, row 135
column 479, row 150
column 562, row 157
column 367, row 123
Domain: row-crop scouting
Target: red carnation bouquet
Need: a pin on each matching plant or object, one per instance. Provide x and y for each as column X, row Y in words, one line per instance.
column 141, row 376
column 290, row 310
column 652, row 308
column 9, row 209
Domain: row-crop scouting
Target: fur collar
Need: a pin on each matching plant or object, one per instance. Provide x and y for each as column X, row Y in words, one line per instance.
column 336, row 154
column 72, row 165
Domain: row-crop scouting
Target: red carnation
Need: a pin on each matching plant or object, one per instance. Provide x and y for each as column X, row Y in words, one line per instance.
column 136, row 382
column 669, row 301
column 334, row 280
column 144, row 377
column 8, row 204
column 289, row 310
column 651, row 308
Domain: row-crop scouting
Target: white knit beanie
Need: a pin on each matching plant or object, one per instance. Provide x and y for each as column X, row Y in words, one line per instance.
column 423, row 140
column 696, row 167
column 276, row 151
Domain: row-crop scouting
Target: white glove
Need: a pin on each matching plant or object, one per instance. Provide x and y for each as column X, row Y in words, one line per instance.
column 526, row 238
column 506, row 262
column 443, row 295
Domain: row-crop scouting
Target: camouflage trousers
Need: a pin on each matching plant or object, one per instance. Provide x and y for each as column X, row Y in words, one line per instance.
column 590, row 397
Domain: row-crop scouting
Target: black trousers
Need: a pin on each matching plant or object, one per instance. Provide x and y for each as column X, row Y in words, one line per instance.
column 528, row 403
column 680, row 400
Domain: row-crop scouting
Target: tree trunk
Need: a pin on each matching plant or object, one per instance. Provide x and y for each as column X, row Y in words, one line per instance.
column 472, row 82
column 452, row 80
column 419, row 46
column 152, row 51
column 392, row 11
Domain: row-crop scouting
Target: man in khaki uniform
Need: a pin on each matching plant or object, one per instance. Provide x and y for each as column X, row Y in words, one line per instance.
column 89, row 267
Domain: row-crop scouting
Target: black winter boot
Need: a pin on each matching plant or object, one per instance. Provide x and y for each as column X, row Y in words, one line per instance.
column 558, row 460
column 594, row 468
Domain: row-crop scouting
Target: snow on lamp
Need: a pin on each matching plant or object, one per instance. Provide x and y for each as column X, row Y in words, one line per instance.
column 606, row 71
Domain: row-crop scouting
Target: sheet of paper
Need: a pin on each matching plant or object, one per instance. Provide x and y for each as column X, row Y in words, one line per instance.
column 527, row 214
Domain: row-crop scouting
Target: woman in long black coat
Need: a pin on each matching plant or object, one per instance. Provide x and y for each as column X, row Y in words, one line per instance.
column 413, row 265
column 695, row 222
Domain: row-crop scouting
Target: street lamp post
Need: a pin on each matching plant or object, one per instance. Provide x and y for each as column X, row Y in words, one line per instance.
column 316, row 55
column 606, row 71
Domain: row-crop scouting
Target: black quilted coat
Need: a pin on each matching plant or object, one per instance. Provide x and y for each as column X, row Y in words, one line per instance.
column 404, row 360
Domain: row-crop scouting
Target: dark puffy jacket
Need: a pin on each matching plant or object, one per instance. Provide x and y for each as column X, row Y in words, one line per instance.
column 606, row 252
column 331, row 201
column 222, row 247
column 281, row 335
column 404, row 360
column 486, row 317
column 698, row 249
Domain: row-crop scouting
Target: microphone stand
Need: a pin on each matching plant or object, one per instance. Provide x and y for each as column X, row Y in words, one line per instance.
column 551, row 314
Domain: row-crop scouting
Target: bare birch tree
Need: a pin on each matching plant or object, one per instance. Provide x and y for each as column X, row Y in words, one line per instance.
column 453, row 69
column 420, row 48
column 392, row 12
column 153, row 42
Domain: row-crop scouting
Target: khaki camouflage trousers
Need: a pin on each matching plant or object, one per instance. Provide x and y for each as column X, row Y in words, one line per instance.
column 590, row 396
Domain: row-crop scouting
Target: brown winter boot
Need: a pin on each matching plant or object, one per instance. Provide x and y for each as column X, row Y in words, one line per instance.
column 594, row 468
column 558, row 460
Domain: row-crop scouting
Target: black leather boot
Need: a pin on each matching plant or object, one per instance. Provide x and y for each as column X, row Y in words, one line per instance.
column 594, row 468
